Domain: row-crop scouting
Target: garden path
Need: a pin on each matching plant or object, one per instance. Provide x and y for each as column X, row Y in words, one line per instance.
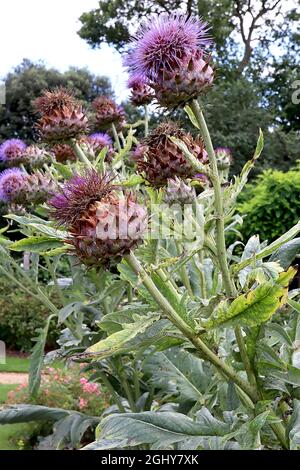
column 7, row 378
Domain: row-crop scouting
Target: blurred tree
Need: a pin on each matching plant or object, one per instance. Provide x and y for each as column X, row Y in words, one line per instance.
column 285, row 80
column 27, row 81
column 252, row 24
column 235, row 110
column 256, row 52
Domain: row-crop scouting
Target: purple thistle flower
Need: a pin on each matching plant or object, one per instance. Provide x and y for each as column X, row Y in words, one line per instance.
column 224, row 157
column 12, row 181
column 100, row 139
column 162, row 42
column 12, row 149
column 78, row 194
column 223, row 150
column 141, row 93
column 136, row 81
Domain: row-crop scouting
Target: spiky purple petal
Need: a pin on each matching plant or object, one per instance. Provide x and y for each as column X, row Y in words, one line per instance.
column 78, row 194
column 101, row 139
column 163, row 41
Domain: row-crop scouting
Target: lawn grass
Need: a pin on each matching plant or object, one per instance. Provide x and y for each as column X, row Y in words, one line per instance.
column 9, row 435
column 4, row 389
column 10, row 431
column 15, row 364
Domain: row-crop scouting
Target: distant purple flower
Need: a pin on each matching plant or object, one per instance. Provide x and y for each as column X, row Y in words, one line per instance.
column 224, row 157
column 11, row 149
column 201, row 178
column 12, row 181
column 98, row 142
column 162, row 42
column 223, row 151
column 141, row 93
column 100, row 139
column 136, row 81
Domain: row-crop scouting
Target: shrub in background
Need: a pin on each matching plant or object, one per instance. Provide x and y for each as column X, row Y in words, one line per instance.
column 65, row 388
column 270, row 205
column 20, row 316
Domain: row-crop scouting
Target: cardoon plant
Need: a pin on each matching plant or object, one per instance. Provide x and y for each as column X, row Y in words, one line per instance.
column 11, row 151
column 19, row 187
column 159, row 159
column 103, row 225
column 197, row 343
column 170, row 51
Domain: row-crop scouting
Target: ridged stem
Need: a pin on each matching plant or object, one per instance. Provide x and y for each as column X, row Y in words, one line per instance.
column 116, row 137
column 229, row 285
column 80, row 154
column 220, row 233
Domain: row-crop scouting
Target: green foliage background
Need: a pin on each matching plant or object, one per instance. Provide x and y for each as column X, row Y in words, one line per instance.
column 270, row 205
column 20, row 316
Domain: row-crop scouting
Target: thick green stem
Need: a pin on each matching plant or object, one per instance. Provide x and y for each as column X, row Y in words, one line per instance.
column 129, row 294
column 184, row 273
column 244, row 355
column 201, row 275
column 80, row 154
column 125, row 384
column 146, row 120
column 186, row 329
column 116, row 137
column 165, row 278
column 229, row 285
column 220, row 232
column 279, row 431
column 219, row 214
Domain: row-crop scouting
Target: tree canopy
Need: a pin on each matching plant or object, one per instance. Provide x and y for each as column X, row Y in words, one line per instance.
column 239, row 28
column 256, row 52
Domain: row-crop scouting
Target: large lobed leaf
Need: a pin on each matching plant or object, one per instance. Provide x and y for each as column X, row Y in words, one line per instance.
column 27, row 413
column 115, row 343
column 159, row 429
column 37, row 358
column 180, row 373
column 274, row 247
column 255, row 307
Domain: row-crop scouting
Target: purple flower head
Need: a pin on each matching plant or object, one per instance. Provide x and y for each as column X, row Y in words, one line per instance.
column 223, row 151
column 12, row 181
column 162, row 42
column 224, row 157
column 11, row 149
column 78, row 194
column 137, row 81
column 100, row 139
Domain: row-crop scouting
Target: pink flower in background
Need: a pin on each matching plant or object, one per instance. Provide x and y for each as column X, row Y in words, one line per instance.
column 82, row 403
column 89, row 387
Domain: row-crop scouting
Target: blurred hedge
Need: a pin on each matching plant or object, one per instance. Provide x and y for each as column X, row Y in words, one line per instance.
column 271, row 204
column 20, row 316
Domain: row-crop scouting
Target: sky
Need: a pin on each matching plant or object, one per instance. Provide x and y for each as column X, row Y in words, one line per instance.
column 47, row 30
